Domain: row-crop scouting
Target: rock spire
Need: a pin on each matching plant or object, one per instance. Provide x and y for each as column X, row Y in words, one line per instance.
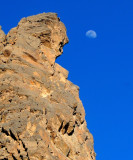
column 41, row 115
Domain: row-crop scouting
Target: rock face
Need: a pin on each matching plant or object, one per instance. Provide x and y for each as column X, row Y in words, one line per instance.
column 41, row 115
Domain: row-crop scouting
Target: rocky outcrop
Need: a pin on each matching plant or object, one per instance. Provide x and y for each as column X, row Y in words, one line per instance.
column 41, row 115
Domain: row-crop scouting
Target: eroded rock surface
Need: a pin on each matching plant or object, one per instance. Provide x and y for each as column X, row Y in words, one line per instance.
column 41, row 115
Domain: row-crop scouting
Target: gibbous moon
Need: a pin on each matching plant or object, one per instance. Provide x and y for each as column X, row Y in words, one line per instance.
column 91, row 34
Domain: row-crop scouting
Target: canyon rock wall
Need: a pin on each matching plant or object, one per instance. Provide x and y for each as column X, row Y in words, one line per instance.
column 41, row 115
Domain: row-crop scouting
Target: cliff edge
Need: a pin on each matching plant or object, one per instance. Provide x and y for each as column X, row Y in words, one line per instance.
column 41, row 115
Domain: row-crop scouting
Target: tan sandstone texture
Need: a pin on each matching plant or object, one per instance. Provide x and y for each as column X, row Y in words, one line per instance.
column 41, row 115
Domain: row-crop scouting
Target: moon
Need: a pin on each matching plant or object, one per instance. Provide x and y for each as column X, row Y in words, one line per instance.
column 91, row 34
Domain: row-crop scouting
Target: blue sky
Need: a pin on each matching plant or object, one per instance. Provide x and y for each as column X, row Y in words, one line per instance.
column 102, row 67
